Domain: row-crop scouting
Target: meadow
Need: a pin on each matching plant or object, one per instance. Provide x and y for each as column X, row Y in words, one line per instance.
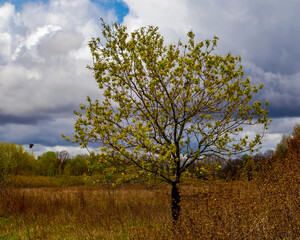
column 210, row 210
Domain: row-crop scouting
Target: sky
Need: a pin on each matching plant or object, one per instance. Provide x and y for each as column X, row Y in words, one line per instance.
column 44, row 53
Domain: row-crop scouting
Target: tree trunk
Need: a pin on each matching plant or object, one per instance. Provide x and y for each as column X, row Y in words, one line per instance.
column 175, row 201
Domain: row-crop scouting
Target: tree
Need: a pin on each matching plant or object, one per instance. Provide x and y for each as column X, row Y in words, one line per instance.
column 232, row 168
column 77, row 166
column 47, row 164
column 282, row 147
column 63, row 157
column 286, row 140
column 14, row 159
column 166, row 107
column 294, row 142
column 284, row 168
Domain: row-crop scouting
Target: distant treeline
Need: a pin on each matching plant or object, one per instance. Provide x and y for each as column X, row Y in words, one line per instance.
column 15, row 160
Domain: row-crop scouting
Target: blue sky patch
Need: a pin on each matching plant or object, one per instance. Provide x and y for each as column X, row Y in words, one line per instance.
column 119, row 6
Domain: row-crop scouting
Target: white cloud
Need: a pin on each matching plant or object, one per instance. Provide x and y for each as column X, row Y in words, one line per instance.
column 44, row 53
column 61, row 43
column 38, row 149
column 9, row 31
column 35, row 37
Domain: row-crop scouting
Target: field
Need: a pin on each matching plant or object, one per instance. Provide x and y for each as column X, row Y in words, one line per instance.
column 210, row 210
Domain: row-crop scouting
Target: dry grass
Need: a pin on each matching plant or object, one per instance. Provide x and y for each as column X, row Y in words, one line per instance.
column 80, row 212
column 211, row 210
column 267, row 208
column 240, row 210
column 45, row 181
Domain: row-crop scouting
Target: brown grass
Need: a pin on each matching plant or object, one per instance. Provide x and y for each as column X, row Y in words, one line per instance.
column 45, row 181
column 80, row 212
column 266, row 208
column 211, row 210
column 240, row 210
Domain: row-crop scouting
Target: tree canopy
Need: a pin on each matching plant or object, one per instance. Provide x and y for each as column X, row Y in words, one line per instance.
column 165, row 107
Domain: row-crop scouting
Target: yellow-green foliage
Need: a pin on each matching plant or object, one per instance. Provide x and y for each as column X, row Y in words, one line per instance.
column 165, row 107
column 14, row 159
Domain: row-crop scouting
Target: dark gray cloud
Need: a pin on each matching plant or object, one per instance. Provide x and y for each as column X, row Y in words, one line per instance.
column 44, row 132
column 38, row 115
column 282, row 91
column 286, row 111
column 8, row 119
column 265, row 33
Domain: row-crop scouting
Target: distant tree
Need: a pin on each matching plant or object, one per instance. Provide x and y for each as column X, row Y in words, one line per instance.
column 47, row 164
column 268, row 154
column 258, row 156
column 51, row 170
column 77, row 166
column 63, row 157
column 232, row 168
column 282, row 147
column 249, row 168
column 209, row 168
column 14, row 159
column 285, row 163
column 294, row 140
column 166, row 107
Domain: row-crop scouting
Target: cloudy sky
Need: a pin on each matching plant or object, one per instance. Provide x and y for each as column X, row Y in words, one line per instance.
column 44, row 53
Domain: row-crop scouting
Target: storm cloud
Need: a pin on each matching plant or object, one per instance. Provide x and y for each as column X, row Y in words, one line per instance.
column 265, row 33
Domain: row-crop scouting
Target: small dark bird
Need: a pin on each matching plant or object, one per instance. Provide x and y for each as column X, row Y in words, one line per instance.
column 31, row 145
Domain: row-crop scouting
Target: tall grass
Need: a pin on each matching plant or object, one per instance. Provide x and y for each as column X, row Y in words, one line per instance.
column 33, row 181
column 240, row 210
column 80, row 212
column 211, row 210
column 265, row 208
